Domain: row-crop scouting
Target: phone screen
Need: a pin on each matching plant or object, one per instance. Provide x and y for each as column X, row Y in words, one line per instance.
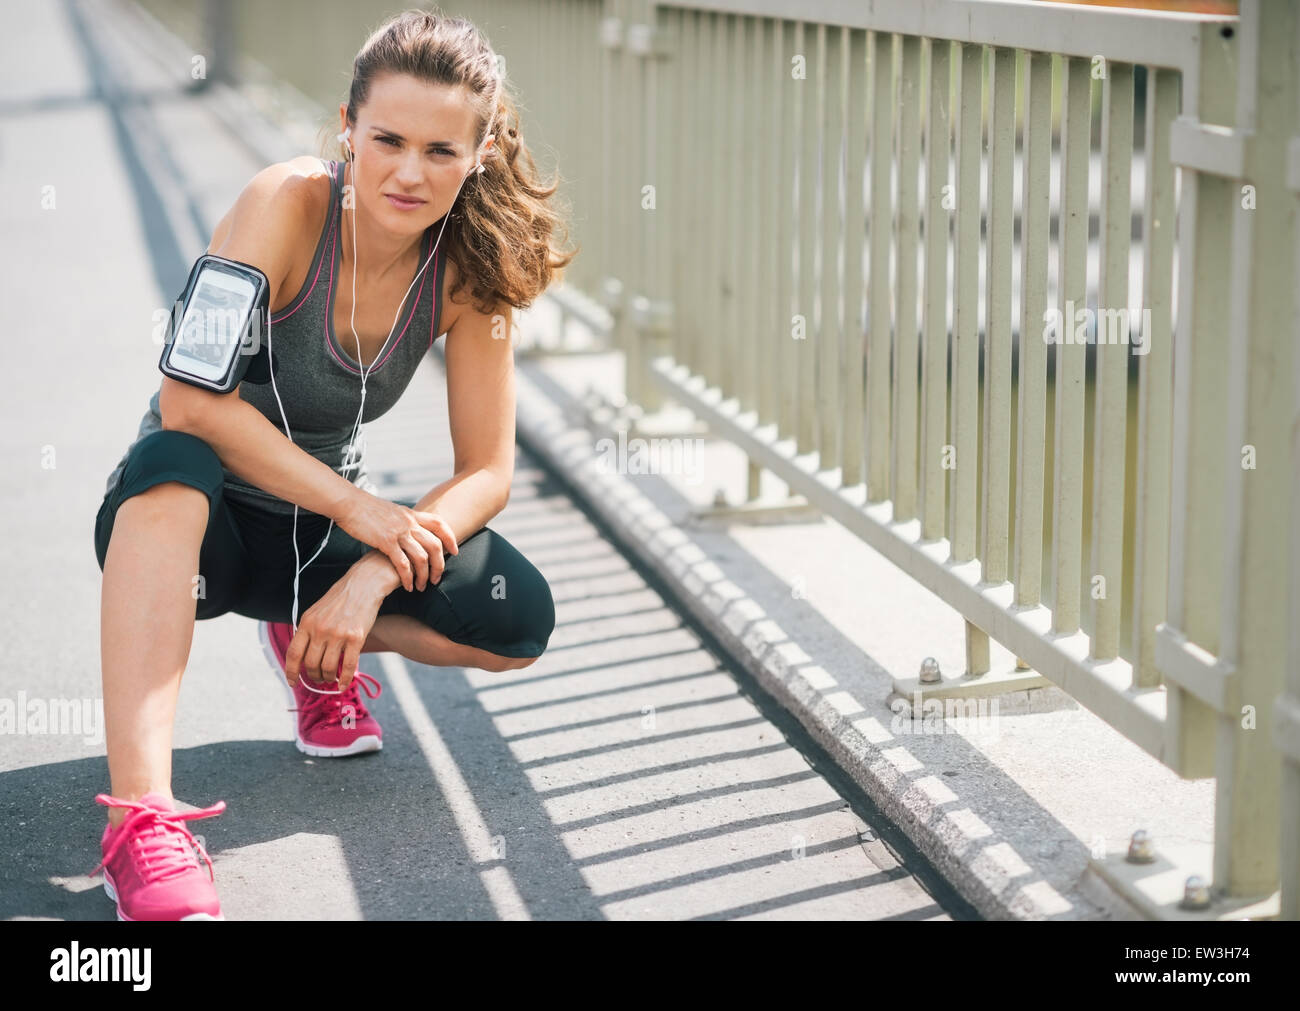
column 213, row 326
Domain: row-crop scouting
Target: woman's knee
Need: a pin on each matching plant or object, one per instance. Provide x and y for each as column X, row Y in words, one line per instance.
column 164, row 468
column 524, row 629
column 495, row 663
column 510, row 612
column 176, row 455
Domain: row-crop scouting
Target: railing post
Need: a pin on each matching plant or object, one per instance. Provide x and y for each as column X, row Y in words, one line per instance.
column 1287, row 727
column 1258, row 494
column 1220, row 641
column 1200, row 351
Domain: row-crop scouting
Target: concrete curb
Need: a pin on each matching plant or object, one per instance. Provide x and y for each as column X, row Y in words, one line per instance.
column 959, row 845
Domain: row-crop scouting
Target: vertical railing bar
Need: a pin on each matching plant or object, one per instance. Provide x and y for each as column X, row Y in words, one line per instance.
column 934, row 364
column 741, row 230
column 965, row 339
column 645, row 393
column 1111, row 393
column 576, row 49
column 830, row 330
column 647, row 283
column 627, row 205
column 809, row 221
column 707, row 169
column 630, row 172
column 789, row 40
column 1031, row 402
column 692, row 327
column 1067, row 482
column 855, row 224
column 608, row 160
column 904, row 463
column 769, row 141
column 663, row 86
column 702, row 168
column 995, row 497
column 714, row 107
column 584, row 54
column 732, row 369
column 879, row 292
column 719, row 336
column 591, row 210
column 1155, row 379
column 966, row 334
column 602, row 80
column 675, row 154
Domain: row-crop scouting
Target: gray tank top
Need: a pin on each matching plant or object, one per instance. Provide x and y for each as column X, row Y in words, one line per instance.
column 319, row 382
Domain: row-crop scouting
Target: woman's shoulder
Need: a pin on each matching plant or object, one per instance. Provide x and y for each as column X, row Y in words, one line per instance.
column 269, row 220
column 287, row 193
column 466, row 314
column 300, row 187
column 463, row 305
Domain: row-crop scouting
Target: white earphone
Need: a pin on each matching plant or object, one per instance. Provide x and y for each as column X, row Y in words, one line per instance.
column 352, row 460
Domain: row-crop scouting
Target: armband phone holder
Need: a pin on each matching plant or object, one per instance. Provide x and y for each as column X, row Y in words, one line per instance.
column 216, row 333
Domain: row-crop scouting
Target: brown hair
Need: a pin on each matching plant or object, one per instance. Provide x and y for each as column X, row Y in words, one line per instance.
column 498, row 232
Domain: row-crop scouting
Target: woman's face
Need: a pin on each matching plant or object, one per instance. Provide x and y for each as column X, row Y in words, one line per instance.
column 412, row 144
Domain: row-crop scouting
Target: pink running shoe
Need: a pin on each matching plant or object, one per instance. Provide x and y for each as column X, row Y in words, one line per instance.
column 330, row 724
column 151, row 865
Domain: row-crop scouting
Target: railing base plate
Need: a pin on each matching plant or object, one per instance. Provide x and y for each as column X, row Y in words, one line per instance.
column 796, row 509
column 977, row 687
column 1156, row 889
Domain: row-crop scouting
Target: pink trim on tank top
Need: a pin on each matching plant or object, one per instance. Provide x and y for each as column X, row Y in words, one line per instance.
column 329, row 311
column 433, row 313
column 321, row 264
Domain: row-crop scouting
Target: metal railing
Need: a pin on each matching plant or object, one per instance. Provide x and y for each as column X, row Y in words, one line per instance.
column 838, row 231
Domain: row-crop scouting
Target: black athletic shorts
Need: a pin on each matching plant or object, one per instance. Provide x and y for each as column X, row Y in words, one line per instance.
column 490, row 596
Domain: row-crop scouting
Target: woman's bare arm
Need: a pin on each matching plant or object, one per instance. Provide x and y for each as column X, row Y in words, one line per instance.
column 275, row 209
column 481, row 411
column 480, row 372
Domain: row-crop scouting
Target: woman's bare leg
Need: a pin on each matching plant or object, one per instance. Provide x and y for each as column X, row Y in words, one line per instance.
column 147, row 611
column 402, row 634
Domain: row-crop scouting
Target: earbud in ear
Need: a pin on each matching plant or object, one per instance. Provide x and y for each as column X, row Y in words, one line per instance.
column 479, row 167
column 343, row 139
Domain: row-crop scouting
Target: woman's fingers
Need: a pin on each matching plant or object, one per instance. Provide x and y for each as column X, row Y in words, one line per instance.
column 323, row 658
column 398, row 557
column 435, row 523
column 311, row 663
column 330, row 659
column 351, row 657
column 433, row 549
column 419, row 556
column 293, row 656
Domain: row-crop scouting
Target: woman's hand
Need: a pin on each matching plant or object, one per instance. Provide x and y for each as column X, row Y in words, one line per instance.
column 333, row 630
column 413, row 541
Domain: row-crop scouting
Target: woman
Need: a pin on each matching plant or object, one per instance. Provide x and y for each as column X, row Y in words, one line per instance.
column 435, row 216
